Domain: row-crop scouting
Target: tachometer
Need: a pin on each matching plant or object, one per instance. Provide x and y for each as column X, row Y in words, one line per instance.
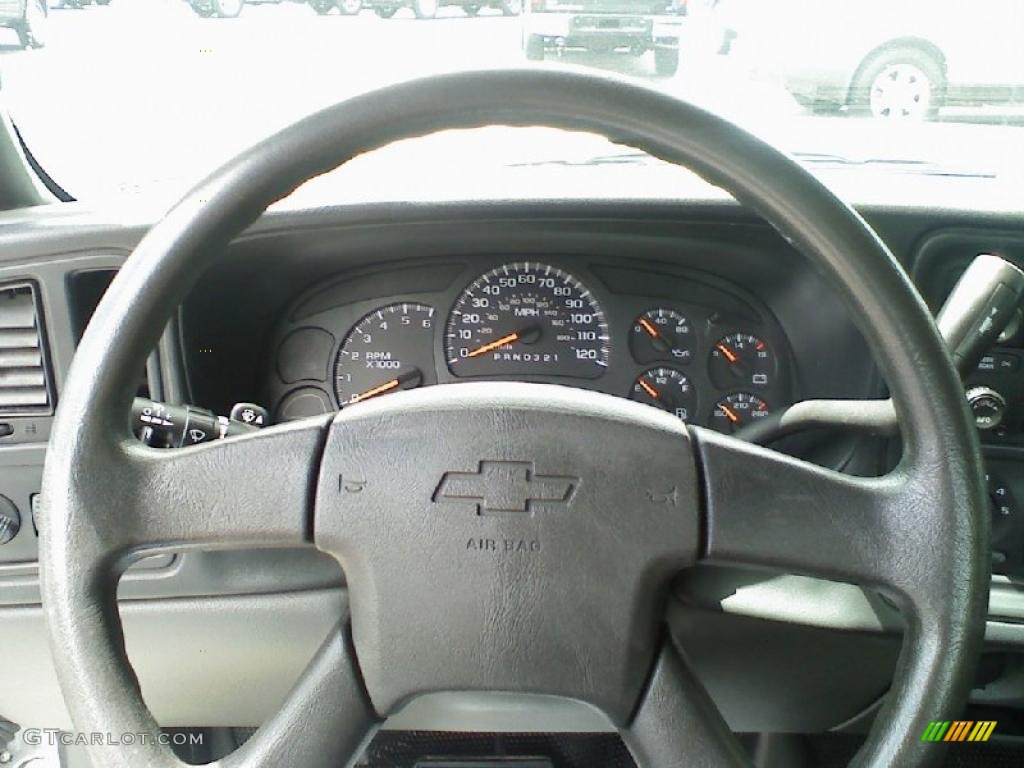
column 389, row 349
column 527, row 318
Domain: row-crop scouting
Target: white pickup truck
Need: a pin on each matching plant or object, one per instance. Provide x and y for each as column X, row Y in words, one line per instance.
column 605, row 26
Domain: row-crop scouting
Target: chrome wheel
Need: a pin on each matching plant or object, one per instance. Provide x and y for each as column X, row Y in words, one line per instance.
column 901, row 91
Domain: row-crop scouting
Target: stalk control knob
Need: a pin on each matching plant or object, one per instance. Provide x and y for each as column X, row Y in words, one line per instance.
column 988, row 407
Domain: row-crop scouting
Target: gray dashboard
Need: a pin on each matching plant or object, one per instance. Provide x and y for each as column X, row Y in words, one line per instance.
column 328, row 268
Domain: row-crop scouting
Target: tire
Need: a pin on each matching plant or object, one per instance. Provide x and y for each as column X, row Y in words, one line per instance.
column 322, row 7
column 350, row 7
column 511, row 7
column 34, row 24
column 102, row 2
column 424, row 9
column 471, row 9
column 898, row 84
column 534, row 48
column 228, row 9
column 666, row 61
column 385, row 12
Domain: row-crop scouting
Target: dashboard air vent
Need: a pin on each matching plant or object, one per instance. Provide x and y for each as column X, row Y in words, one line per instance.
column 23, row 378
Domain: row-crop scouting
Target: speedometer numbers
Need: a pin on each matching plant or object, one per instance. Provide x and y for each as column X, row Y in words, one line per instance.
column 527, row 319
column 389, row 349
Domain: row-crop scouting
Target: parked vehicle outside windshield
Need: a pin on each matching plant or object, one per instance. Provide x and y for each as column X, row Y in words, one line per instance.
column 142, row 96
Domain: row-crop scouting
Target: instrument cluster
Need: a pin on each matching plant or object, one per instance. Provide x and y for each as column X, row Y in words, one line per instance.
column 705, row 352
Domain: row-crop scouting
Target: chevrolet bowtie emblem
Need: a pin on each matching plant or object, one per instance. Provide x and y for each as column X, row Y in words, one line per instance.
column 505, row 486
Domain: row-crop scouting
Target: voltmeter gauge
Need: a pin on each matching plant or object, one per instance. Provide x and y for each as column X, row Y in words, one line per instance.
column 742, row 360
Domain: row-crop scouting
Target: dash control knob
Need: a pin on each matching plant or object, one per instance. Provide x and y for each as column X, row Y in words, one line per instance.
column 987, row 406
column 10, row 520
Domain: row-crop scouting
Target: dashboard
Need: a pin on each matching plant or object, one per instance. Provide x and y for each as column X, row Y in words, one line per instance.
column 311, row 311
column 684, row 341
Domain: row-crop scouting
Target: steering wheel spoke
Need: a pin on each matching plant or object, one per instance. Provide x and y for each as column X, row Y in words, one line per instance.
column 253, row 490
column 326, row 715
column 677, row 717
column 766, row 509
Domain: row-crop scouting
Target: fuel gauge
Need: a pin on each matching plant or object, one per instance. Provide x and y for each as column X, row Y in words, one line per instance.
column 668, row 389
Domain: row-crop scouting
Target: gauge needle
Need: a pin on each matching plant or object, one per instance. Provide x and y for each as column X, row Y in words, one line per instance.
column 731, row 356
column 648, row 326
column 730, row 414
column 509, row 338
column 649, row 390
column 412, row 378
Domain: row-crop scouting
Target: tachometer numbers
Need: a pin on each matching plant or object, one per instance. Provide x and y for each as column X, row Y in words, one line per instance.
column 662, row 334
column 527, row 318
column 742, row 360
column 389, row 349
column 737, row 410
column 668, row 389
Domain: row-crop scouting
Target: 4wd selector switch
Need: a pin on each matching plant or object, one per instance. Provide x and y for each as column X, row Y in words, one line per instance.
column 987, row 405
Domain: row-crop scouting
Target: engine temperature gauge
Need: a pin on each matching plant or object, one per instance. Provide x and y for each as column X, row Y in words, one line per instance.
column 737, row 410
column 661, row 334
column 668, row 389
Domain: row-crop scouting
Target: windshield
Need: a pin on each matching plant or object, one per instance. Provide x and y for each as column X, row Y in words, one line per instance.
column 129, row 96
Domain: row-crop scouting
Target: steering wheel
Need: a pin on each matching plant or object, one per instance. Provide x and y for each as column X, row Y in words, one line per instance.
column 606, row 499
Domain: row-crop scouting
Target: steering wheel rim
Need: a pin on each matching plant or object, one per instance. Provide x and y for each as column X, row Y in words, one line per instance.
column 888, row 533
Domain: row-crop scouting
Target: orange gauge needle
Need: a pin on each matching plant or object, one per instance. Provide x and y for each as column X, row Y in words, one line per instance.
column 648, row 326
column 387, row 386
column 649, row 389
column 494, row 344
column 730, row 414
column 731, row 356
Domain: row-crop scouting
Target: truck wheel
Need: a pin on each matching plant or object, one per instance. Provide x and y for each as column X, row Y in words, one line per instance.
column 899, row 84
column 33, row 27
column 666, row 61
column 102, row 2
column 511, row 7
column 471, row 9
column 322, row 7
column 350, row 7
column 424, row 9
column 227, row 9
column 534, row 48
column 385, row 12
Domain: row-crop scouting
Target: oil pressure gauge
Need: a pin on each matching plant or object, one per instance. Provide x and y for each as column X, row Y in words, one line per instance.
column 661, row 334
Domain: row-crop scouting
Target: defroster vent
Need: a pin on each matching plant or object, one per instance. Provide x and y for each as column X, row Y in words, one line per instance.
column 24, row 386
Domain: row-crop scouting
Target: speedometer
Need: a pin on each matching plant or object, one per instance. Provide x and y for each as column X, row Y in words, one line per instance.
column 527, row 318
